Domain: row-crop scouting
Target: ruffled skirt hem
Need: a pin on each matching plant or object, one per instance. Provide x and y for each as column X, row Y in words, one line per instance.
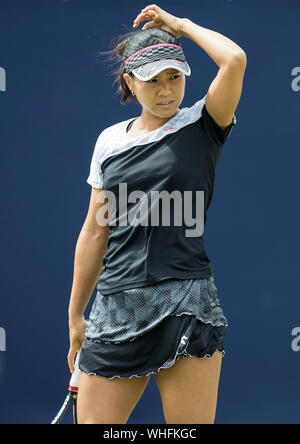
column 166, row 365
column 176, row 337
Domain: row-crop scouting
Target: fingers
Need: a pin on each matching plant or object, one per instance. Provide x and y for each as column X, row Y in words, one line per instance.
column 150, row 15
column 71, row 356
column 149, row 25
column 76, row 334
column 141, row 17
column 154, row 7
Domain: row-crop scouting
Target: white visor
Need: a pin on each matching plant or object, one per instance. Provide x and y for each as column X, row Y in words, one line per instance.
column 150, row 70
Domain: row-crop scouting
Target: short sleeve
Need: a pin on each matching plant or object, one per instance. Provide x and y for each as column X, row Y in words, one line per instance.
column 95, row 178
column 213, row 130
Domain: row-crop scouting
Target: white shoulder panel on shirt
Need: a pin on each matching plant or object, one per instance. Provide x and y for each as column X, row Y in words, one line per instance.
column 113, row 140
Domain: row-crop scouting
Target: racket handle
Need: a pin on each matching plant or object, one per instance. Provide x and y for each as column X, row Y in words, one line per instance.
column 74, row 381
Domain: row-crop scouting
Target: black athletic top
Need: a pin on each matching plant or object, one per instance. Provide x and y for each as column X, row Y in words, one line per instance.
column 159, row 187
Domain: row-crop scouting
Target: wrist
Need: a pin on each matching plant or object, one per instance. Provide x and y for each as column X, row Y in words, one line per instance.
column 182, row 26
column 74, row 317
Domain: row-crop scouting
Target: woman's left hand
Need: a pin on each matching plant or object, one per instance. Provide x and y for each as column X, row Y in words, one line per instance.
column 159, row 19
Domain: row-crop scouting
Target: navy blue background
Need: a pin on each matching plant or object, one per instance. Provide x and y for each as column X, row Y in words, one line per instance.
column 59, row 97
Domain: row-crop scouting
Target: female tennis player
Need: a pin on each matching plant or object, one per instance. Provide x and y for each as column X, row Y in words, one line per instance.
column 156, row 310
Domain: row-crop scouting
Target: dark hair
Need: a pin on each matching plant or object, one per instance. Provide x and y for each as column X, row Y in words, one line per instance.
column 127, row 44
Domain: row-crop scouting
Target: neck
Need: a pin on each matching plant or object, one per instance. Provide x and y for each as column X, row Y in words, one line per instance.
column 149, row 122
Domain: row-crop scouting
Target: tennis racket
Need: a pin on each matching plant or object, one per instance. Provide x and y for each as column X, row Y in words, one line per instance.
column 71, row 396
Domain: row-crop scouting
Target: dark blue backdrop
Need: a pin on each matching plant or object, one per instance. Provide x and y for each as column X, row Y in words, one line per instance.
column 58, row 99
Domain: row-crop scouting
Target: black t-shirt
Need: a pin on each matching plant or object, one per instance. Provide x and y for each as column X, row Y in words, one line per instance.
column 159, row 187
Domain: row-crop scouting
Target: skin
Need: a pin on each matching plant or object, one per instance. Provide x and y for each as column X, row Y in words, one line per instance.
column 167, row 85
column 192, row 381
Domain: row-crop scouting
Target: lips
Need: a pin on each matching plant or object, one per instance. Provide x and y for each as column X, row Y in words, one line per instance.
column 166, row 103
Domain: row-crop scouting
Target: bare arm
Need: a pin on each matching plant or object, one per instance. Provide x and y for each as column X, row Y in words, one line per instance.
column 225, row 90
column 220, row 48
column 89, row 252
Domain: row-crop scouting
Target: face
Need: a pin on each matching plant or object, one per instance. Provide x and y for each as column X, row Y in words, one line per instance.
column 168, row 85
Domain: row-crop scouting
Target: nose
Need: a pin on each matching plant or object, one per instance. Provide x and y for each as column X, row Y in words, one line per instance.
column 165, row 88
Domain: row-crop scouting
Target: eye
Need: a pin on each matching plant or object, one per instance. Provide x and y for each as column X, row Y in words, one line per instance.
column 174, row 75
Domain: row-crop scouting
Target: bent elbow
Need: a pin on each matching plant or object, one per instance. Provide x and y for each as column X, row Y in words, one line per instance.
column 239, row 59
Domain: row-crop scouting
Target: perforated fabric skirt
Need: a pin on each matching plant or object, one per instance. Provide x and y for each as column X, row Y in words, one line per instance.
column 142, row 330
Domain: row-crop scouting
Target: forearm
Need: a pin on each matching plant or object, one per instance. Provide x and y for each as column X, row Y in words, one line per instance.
column 89, row 253
column 221, row 49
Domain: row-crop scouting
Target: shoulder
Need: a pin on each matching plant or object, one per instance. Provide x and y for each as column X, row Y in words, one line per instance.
column 198, row 114
column 192, row 113
column 110, row 131
column 110, row 137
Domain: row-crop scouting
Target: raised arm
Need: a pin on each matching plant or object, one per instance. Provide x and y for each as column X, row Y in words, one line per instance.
column 225, row 90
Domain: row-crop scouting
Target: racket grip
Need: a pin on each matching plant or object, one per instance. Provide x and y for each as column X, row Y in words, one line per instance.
column 74, row 381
